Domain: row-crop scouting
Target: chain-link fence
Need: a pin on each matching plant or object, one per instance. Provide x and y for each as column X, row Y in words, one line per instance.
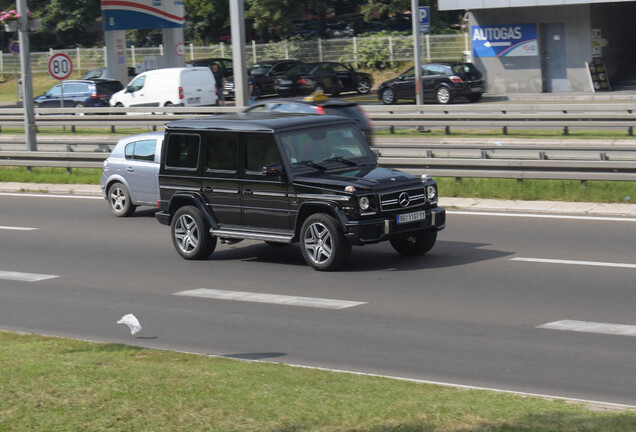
column 366, row 52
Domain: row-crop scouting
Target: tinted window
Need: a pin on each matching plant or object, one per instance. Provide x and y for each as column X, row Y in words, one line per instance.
column 182, row 151
column 260, row 151
column 109, row 87
column 222, row 151
column 260, row 69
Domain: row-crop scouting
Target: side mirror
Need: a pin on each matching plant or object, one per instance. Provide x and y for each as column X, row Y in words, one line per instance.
column 376, row 155
column 273, row 170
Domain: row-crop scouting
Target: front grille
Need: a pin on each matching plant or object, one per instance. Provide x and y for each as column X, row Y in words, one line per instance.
column 403, row 199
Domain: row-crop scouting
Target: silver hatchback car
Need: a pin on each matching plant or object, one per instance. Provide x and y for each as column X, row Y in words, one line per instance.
column 129, row 177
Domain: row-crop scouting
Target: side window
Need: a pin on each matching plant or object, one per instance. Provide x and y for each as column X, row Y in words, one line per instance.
column 260, row 151
column 55, row 91
column 129, row 151
column 222, row 152
column 182, row 151
column 145, row 150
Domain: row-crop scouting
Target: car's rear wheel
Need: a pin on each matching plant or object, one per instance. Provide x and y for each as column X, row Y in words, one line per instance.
column 119, row 200
column 444, row 95
column 388, row 96
column 323, row 244
column 364, row 86
column 415, row 244
column 191, row 234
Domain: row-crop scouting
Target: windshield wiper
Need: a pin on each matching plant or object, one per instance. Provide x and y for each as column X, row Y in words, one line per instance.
column 312, row 164
column 340, row 159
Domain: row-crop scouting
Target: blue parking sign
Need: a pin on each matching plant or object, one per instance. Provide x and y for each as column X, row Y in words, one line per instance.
column 425, row 19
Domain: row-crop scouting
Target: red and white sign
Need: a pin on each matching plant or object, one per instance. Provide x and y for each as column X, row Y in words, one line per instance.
column 60, row 66
column 180, row 49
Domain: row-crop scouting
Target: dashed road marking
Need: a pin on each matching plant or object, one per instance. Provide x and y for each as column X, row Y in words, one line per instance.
column 17, row 228
column 573, row 262
column 25, row 277
column 591, row 327
column 270, row 298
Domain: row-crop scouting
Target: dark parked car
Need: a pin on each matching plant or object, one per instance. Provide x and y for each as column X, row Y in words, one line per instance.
column 289, row 178
column 225, row 64
column 265, row 73
column 442, row 81
column 318, row 104
column 326, row 77
column 102, row 73
column 129, row 176
column 79, row 93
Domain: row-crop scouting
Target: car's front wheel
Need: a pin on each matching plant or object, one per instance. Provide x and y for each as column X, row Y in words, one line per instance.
column 191, row 234
column 388, row 96
column 415, row 244
column 323, row 244
column 119, row 200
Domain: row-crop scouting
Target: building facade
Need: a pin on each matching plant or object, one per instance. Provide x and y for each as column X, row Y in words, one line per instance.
column 539, row 46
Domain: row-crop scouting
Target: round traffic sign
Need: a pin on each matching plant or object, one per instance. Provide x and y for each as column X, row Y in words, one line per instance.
column 15, row 47
column 60, row 66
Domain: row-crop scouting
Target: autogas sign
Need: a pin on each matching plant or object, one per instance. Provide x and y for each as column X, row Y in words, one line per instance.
column 505, row 40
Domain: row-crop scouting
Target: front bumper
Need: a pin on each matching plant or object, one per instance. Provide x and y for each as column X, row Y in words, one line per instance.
column 386, row 228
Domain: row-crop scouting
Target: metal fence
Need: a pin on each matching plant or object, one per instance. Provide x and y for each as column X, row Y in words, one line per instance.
column 350, row 50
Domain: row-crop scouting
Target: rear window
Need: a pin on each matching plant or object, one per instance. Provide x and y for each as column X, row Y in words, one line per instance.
column 182, row 151
column 109, row 87
column 465, row 69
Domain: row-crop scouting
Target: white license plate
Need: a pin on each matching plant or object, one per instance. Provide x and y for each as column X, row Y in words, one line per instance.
column 285, row 81
column 194, row 100
column 476, row 89
column 411, row 217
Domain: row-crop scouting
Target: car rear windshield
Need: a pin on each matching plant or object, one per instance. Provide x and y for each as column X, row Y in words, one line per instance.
column 466, row 69
column 351, row 111
column 109, row 87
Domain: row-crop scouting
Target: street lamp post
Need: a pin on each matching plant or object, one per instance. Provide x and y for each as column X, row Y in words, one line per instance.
column 27, row 85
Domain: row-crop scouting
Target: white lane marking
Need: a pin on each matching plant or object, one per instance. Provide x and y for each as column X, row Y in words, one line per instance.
column 572, row 262
column 25, row 277
column 270, row 298
column 15, row 228
column 591, row 327
column 544, row 216
column 40, row 195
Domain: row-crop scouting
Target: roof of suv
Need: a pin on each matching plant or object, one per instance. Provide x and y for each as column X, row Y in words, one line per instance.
column 261, row 122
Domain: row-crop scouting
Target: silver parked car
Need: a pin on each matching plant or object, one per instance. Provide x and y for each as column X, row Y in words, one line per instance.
column 129, row 177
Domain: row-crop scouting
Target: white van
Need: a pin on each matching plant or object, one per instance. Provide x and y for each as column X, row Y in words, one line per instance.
column 192, row 86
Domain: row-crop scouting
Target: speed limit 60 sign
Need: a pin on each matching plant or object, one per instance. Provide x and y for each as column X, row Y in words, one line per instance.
column 60, row 66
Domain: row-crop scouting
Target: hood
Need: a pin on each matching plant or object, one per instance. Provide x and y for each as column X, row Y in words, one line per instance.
column 363, row 178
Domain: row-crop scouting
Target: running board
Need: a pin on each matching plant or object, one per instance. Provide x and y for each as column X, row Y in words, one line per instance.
column 251, row 235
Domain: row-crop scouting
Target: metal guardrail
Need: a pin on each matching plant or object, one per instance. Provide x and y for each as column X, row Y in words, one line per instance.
column 565, row 116
column 574, row 161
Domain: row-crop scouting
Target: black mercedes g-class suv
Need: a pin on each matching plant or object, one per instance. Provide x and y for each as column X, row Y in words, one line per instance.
column 287, row 178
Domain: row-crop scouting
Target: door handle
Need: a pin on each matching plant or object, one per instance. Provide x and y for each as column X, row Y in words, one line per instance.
column 248, row 192
column 207, row 189
column 130, row 169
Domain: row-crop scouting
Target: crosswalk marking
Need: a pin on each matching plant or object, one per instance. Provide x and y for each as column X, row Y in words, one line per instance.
column 25, row 277
column 591, row 327
column 269, row 298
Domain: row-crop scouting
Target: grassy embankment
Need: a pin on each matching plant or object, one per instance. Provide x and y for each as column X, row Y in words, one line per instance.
column 51, row 384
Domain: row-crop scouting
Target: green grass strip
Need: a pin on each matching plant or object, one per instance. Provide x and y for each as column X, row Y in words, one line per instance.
column 51, row 384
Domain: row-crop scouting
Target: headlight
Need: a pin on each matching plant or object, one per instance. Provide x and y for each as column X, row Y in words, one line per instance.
column 364, row 203
column 431, row 193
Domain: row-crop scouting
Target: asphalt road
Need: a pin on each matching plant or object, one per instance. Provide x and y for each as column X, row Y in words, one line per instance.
column 470, row 312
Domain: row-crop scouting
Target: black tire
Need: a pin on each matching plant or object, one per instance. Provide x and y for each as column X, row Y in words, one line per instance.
column 416, row 244
column 79, row 105
column 191, row 234
column 364, row 86
column 388, row 96
column 323, row 244
column 444, row 95
column 119, row 200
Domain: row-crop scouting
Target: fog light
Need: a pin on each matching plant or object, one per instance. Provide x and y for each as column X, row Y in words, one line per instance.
column 364, row 203
column 431, row 192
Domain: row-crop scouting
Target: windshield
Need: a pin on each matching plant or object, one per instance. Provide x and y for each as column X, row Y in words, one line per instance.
column 260, row 68
column 320, row 145
column 301, row 69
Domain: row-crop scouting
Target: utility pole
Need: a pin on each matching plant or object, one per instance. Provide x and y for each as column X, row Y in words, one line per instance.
column 415, row 22
column 237, row 22
column 27, row 85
